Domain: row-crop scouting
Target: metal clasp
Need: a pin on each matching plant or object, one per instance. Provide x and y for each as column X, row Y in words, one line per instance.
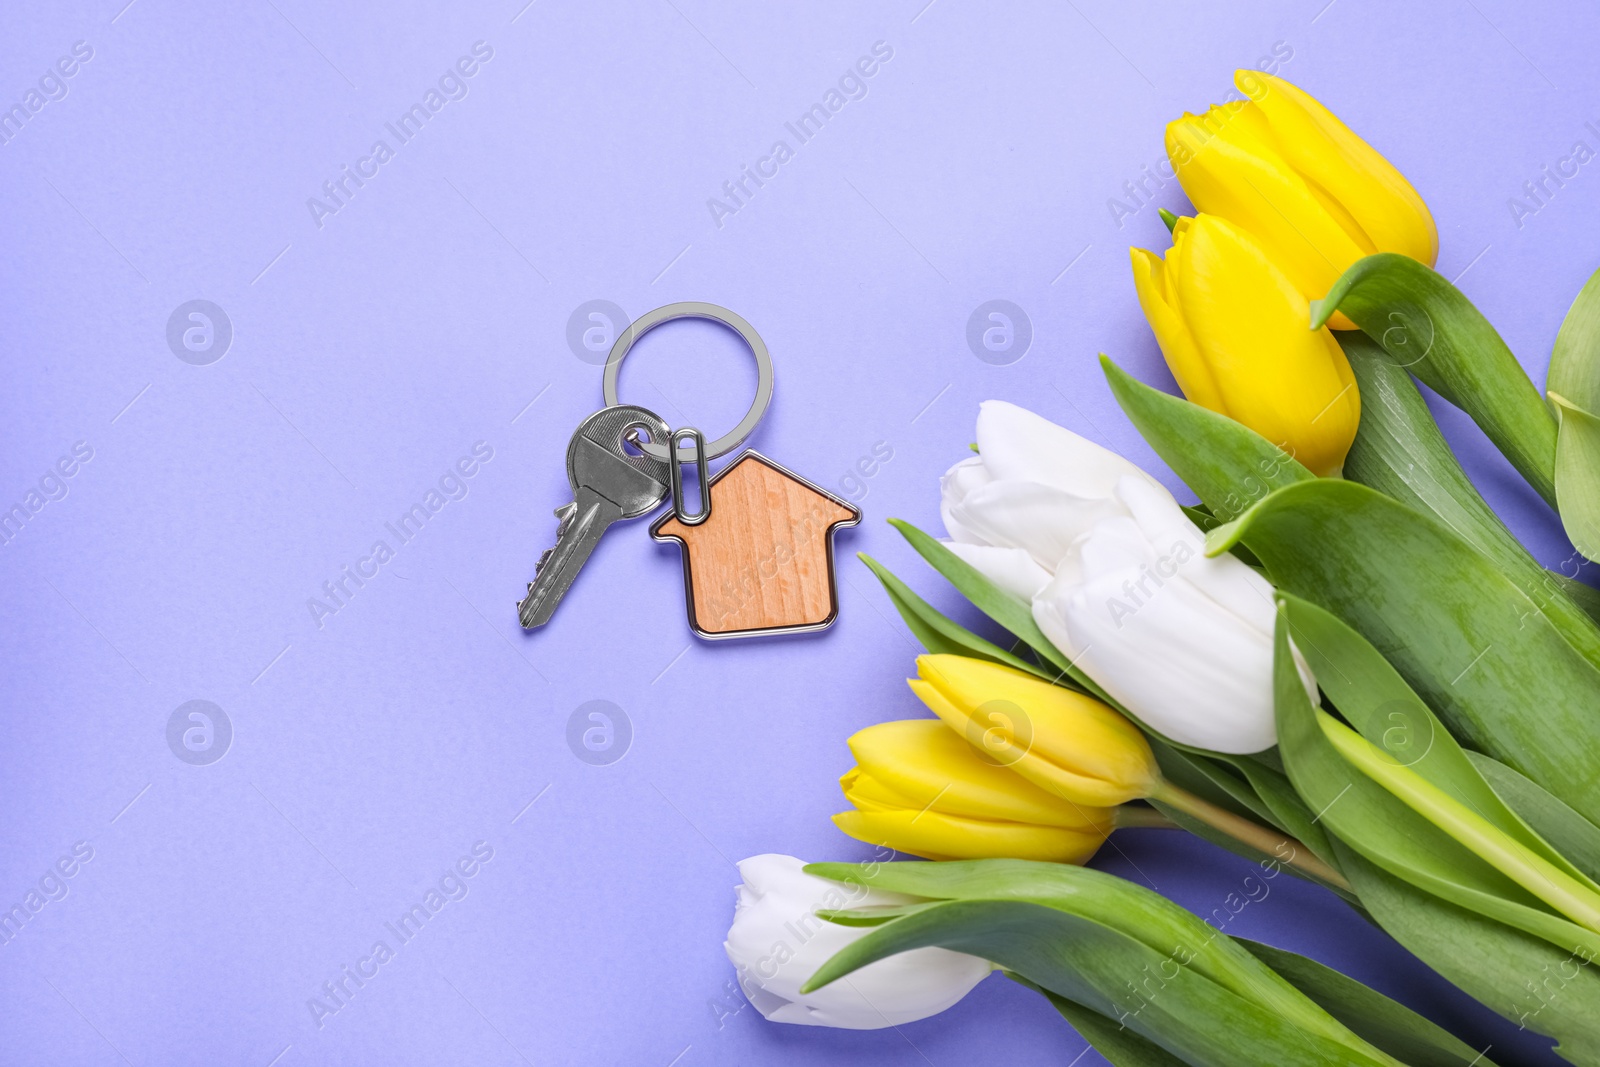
column 697, row 456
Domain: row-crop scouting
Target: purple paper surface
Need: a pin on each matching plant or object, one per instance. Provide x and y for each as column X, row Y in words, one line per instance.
column 384, row 326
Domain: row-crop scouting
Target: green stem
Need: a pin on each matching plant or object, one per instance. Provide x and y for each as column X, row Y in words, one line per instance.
column 1263, row 839
column 1533, row 872
column 1135, row 815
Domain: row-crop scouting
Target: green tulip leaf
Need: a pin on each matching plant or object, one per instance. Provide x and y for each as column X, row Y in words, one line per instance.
column 1430, row 328
column 1202, row 517
column 1386, row 1023
column 1120, row 1046
column 1086, row 936
column 1578, row 474
column 1575, row 359
column 1568, row 894
column 1541, row 987
column 1475, row 647
column 1377, row 702
column 1573, row 387
column 1180, row 1010
column 1102, row 898
column 1373, row 822
column 1587, row 597
column 1574, row 837
column 1289, row 811
column 1228, row 465
column 1011, row 612
column 939, row 634
column 1400, row 452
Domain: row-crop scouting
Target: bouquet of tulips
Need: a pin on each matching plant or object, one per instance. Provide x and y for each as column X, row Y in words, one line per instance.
column 1339, row 663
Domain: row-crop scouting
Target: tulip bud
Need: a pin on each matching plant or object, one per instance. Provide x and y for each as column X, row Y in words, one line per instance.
column 1283, row 167
column 1070, row 745
column 1233, row 328
column 919, row 788
column 777, row 943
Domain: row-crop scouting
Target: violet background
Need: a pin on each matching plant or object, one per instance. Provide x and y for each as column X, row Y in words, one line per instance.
column 430, row 313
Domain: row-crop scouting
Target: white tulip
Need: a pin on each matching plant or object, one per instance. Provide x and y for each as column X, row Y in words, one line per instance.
column 777, row 942
column 1033, row 489
column 1118, row 579
column 1183, row 642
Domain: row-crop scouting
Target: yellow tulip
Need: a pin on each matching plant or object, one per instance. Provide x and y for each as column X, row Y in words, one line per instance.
column 1284, row 167
column 919, row 788
column 1070, row 745
column 1026, row 770
column 1234, row 330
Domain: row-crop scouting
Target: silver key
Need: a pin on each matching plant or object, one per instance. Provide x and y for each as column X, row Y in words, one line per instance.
column 608, row 484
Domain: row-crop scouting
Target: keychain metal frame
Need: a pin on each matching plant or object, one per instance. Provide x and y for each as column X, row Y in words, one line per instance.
column 695, row 309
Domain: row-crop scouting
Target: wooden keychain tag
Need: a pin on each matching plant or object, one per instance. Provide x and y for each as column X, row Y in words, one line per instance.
column 761, row 561
column 758, row 555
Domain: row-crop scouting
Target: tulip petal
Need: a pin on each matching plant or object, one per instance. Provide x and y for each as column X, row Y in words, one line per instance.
column 1068, row 743
column 965, row 477
column 1012, row 569
column 1058, row 781
column 920, row 764
column 937, row 836
column 1198, row 674
column 1183, row 359
column 1232, row 585
column 1291, row 385
column 1040, row 519
column 1323, row 149
column 1229, row 169
column 1016, row 444
column 777, row 943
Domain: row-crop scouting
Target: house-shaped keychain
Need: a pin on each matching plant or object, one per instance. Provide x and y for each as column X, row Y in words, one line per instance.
column 762, row 562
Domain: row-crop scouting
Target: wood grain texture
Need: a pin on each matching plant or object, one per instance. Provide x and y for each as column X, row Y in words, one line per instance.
column 763, row 561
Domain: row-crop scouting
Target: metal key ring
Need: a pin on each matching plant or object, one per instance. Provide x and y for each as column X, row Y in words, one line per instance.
column 696, row 309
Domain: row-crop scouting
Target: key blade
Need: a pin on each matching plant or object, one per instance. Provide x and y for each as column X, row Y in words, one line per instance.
column 609, row 483
column 577, row 539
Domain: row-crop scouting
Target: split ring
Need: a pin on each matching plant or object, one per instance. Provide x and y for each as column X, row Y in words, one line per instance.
column 696, row 309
